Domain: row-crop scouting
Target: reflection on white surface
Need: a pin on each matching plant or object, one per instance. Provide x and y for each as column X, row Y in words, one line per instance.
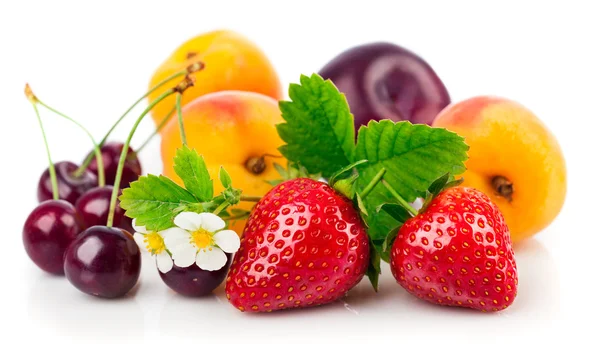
column 63, row 309
column 152, row 309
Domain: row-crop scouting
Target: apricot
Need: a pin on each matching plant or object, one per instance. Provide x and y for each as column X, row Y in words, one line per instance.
column 513, row 158
column 233, row 129
column 231, row 62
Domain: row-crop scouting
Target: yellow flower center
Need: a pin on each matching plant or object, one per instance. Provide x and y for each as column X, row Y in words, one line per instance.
column 155, row 243
column 202, row 239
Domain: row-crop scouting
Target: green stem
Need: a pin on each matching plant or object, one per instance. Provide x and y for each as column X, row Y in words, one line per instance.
column 363, row 194
column 180, row 119
column 117, row 185
column 51, row 168
column 98, row 154
column 401, row 200
column 250, row 198
column 221, row 208
column 160, row 126
column 88, row 160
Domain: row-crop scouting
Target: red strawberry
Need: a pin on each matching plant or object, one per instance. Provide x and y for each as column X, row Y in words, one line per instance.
column 304, row 245
column 457, row 253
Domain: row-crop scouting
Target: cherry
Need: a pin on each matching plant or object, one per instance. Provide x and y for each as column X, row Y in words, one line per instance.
column 70, row 186
column 194, row 281
column 103, row 262
column 92, row 209
column 110, row 155
column 47, row 233
column 383, row 80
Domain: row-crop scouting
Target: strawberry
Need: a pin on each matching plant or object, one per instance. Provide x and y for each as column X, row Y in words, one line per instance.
column 457, row 252
column 304, row 245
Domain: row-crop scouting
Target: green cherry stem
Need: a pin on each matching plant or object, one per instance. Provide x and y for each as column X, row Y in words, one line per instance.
column 401, row 200
column 253, row 199
column 363, row 194
column 88, row 160
column 97, row 153
column 123, row 157
column 195, row 67
column 160, row 126
column 33, row 99
column 180, row 119
column 187, row 82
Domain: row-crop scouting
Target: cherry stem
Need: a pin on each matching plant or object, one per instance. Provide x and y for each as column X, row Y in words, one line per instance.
column 253, row 199
column 160, row 126
column 98, row 154
column 88, row 160
column 31, row 97
column 401, row 200
column 363, row 194
column 180, row 119
column 117, row 185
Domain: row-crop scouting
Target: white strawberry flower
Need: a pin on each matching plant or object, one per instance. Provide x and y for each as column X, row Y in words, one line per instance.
column 154, row 243
column 200, row 238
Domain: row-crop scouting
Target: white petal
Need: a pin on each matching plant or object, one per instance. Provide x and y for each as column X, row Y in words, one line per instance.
column 228, row 240
column 188, row 221
column 141, row 229
column 139, row 239
column 184, row 255
column 211, row 260
column 211, row 222
column 164, row 262
column 174, row 237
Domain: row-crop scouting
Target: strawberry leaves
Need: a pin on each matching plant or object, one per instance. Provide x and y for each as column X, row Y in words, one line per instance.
column 414, row 156
column 190, row 167
column 319, row 128
column 154, row 201
column 388, row 163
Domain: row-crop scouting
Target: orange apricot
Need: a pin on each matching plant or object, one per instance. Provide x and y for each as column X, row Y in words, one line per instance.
column 513, row 158
column 231, row 62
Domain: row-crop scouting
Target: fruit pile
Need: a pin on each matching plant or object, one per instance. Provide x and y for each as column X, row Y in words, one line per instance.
column 292, row 202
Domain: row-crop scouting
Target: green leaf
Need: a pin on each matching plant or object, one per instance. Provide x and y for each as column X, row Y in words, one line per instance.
column 453, row 183
column 224, row 178
column 283, row 172
column 389, row 239
column 319, row 128
column 190, row 167
column 414, row 156
column 361, row 205
column 335, row 176
column 154, row 201
column 374, row 268
column 438, row 185
column 441, row 184
column 396, row 211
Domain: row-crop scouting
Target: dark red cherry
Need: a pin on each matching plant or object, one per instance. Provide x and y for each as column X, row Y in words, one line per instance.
column 383, row 80
column 194, row 281
column 70, row 187
column 103, row 262
column 111, row 153
column 92, row 209
column 48, row 231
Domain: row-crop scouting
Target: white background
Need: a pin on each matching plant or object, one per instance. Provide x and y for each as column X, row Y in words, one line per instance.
column 92, row 59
